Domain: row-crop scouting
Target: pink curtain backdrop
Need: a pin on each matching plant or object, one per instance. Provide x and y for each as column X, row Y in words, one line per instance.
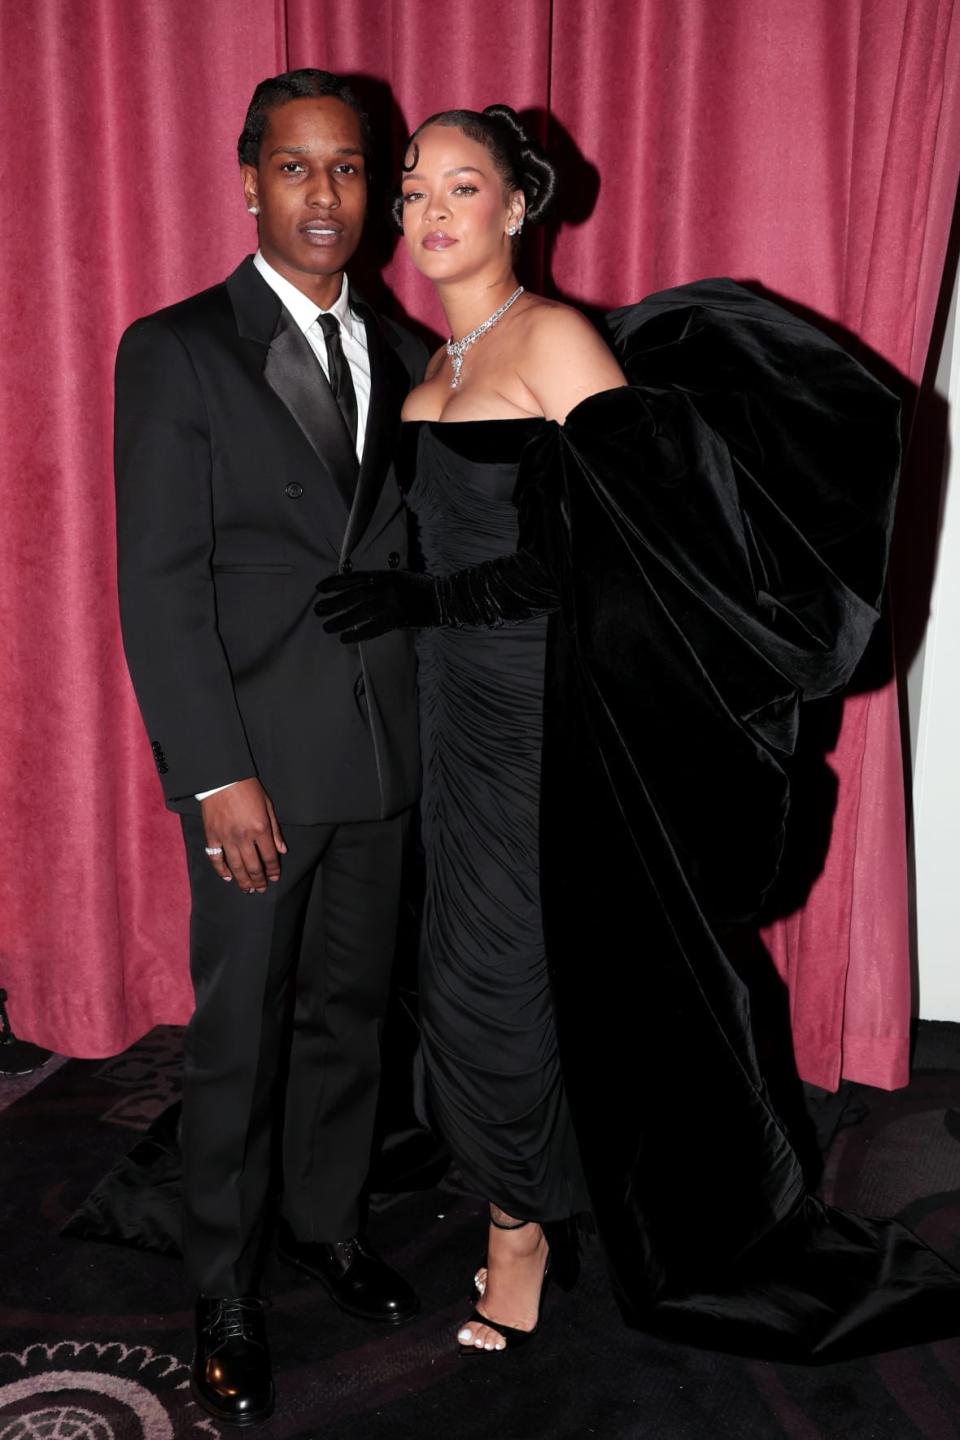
column 811, row 146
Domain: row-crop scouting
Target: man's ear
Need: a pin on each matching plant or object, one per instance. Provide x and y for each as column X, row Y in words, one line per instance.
column 250, row 191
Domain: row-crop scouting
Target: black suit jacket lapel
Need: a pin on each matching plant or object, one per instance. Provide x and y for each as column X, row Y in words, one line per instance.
column 388, row 386
column 293, row 372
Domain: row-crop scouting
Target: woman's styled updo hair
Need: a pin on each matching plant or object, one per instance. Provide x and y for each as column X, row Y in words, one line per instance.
column 522, row 163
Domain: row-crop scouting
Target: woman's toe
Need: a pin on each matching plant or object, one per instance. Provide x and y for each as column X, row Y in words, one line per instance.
column 480, row 1337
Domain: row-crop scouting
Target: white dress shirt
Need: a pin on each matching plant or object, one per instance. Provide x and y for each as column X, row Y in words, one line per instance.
column 353, row 334
column 353, row 338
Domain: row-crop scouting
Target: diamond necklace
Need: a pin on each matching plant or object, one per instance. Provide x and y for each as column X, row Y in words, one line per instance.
column 457, row 348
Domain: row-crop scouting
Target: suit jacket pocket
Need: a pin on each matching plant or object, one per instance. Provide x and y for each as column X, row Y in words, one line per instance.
column 253, row 569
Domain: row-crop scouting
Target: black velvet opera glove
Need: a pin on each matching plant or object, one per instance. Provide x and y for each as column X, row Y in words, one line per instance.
column 368, row 603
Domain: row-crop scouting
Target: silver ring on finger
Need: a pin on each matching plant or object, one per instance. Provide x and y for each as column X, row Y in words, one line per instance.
column 213, row 849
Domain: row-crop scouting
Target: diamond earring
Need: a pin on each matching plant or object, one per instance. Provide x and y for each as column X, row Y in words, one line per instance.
column 254, row 209
column 515, row 229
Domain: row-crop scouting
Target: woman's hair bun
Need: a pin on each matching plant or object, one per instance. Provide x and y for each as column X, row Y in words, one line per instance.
column 509, row 116
column 535, row 173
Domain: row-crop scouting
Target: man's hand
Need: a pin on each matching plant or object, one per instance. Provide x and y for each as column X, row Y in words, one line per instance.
column 240, row 821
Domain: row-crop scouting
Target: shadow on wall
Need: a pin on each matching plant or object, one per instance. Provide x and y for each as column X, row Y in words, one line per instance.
column 381, row 236
column 916, row 539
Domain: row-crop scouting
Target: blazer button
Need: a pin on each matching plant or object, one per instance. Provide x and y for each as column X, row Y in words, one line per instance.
column 393, row 560
column 294, row 490
column 346, row 567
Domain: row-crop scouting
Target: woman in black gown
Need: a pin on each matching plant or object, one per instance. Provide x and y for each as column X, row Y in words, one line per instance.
column 628, row 588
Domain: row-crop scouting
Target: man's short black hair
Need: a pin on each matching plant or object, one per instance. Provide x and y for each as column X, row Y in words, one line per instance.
column 293, row 85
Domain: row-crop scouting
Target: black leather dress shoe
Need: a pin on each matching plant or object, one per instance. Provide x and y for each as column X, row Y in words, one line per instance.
column 230, row 1377
column 359, row 1281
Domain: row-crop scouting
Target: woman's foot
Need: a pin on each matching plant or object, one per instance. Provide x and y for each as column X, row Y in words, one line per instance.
column 511, row 1282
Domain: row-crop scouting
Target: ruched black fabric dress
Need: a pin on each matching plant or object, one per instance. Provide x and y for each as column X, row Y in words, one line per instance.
column 486, row 1013
column 710, row 543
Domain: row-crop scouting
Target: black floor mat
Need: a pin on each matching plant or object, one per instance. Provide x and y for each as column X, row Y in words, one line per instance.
column 96, row 1338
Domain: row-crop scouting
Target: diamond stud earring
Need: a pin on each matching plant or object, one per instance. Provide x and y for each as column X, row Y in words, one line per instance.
column 515, row 229
column 254, row 209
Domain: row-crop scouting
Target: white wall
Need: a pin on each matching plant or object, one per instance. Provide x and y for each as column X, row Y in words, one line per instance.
column 933, row 690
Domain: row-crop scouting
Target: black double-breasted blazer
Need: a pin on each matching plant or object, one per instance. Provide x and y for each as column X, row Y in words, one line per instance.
column 237, row 490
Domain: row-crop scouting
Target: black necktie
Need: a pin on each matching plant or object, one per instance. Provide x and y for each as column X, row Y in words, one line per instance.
column 341, row 381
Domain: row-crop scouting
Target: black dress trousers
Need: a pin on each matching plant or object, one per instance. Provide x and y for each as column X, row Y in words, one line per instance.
column 290, row 986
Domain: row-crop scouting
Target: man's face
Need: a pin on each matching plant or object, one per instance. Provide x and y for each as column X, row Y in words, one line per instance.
column 310, row 186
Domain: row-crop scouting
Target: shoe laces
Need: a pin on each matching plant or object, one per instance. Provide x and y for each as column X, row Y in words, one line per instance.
column 232, row 1319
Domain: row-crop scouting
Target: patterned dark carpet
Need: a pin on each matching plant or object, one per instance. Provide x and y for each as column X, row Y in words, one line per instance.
column 95, row 1338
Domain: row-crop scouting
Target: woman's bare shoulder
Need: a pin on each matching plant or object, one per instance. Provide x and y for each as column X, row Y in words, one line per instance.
column 546, row 321
column 562, row 358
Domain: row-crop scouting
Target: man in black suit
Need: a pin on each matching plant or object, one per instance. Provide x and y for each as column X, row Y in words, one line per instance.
column 255, row 424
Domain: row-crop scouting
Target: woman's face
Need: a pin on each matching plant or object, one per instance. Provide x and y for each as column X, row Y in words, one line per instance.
column 455, row 211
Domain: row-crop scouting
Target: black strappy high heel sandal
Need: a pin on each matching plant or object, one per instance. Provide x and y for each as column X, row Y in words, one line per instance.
column 564, row 1266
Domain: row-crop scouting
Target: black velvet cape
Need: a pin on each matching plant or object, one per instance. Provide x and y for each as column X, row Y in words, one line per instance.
column 719, row 533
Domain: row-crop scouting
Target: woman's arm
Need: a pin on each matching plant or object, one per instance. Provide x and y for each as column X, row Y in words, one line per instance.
column 504, row 591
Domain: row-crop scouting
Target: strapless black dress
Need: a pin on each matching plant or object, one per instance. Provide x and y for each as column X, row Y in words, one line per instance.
column 489, row 1040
